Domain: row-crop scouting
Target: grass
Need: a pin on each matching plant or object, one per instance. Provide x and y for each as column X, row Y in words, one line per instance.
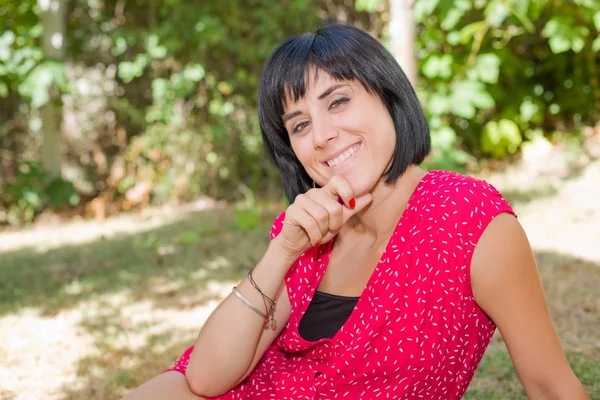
column 496, row 379
column 92, row 321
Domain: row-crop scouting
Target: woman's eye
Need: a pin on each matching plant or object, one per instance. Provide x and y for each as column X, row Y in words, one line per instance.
column 300, row 126
column 338, row 102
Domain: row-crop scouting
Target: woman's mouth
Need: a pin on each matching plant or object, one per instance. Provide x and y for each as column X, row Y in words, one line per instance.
column 345, row 156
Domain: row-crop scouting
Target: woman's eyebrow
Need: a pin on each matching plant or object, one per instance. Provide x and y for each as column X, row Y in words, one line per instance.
column 331, row 89
column 326, row 93
column 287, row 117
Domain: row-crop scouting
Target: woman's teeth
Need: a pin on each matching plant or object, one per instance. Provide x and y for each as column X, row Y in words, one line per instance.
column 344, row 156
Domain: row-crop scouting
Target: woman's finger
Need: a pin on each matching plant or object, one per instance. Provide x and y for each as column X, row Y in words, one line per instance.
column 333, row 208
column 301, row 218
column 314, row 207
column 339, row 187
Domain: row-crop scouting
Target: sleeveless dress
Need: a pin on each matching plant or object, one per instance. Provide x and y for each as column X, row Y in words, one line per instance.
column 416, row 331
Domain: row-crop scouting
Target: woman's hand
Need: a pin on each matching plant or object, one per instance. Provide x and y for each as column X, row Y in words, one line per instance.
column 316, row 216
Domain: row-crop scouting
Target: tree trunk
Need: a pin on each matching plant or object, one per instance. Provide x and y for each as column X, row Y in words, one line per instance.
column 53, row 16
column 402, row 35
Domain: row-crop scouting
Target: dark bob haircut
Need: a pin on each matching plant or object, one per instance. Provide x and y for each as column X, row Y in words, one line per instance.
column 346, row 53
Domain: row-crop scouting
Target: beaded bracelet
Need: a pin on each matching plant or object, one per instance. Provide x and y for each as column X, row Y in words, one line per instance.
column 270, row 311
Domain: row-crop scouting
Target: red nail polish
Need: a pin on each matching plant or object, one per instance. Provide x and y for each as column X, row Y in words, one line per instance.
column 340, row 200
column 352, row 202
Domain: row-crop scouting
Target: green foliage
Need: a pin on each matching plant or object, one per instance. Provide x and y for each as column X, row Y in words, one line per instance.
column 22, row 67
column 247, row 219
column 495, row 70
column 501, row 138
column 36, row 85
column 368, row 5
column 32, row 192
column 189, row 73
column 20, row 52
column 565, row 35
column 494, row 74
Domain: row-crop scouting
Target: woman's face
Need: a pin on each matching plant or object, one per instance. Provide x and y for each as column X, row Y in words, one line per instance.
column 338, row 128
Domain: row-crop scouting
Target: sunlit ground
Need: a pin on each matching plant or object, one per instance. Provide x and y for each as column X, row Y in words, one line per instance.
column 90, row 310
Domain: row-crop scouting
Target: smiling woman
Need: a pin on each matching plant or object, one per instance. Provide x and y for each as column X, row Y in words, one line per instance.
column 385, row 281
column 324, row 71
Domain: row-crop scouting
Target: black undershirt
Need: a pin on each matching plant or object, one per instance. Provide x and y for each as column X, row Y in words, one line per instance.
column 325, row 316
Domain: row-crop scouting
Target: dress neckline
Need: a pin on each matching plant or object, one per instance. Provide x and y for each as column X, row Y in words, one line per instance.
column 322, row 265
column 336, row 296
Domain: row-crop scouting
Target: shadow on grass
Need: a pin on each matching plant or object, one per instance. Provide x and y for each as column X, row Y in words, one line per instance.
column 192, row 252
column 496, row 378
column 571, row 287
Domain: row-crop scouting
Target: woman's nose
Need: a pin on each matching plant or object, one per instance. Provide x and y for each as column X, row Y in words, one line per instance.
column 323, row 133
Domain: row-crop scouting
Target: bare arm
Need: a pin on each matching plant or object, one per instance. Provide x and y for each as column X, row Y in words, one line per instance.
column 507, row 286
column 234, row 338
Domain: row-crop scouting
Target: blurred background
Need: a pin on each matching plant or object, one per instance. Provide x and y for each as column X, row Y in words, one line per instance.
column 134, row 190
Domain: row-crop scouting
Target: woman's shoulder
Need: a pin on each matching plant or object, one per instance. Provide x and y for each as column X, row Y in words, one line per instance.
column 463, row 194
column 451, row 181
column 453, row 185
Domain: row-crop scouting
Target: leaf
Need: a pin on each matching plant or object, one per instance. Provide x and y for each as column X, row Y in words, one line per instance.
column 423, row 8
column 559, row 44
column 596, row 44
column 160, row 88
column 460, row 7
column 32, row 197
column 443, row 138
column 6, row 41
column 597, row 20
column 463, row 109
column 501, row 138
column 3, row 90
column 453, row 38
column 194, row 72
column 468, row 32
column 61, row 192
column 521, row 16
column 437, row 66
column 438, row 104
column 128, row 70
column 467, row 96
column 496, row 12
column 37, row 84
column 120, row 46
column 367, row 5
column 593, row 4
column 577, row 44
column 487, row 68
column 155, row 50
column 551, row 28
column 564, row 34
column 528, row 110
column 482, row 99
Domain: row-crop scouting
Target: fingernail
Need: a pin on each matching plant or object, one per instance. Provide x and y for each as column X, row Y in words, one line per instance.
column 340, row 200
column 352, row 202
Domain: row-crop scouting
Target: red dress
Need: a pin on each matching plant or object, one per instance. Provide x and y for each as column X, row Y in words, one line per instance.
column 416, row 331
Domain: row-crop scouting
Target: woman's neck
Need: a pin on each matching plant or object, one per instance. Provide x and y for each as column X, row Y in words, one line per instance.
column 379, row 219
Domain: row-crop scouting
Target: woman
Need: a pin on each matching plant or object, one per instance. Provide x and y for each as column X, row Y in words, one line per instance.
column 381, row 280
